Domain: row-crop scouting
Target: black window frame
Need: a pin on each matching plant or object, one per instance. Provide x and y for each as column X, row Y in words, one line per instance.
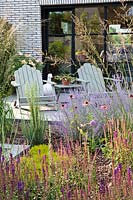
column 44, row 16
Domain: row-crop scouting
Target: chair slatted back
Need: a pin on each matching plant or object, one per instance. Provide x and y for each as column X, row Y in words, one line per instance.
column 94, row 75
column 28, row 78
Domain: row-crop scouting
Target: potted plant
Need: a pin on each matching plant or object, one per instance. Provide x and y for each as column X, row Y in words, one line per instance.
column 66, row 79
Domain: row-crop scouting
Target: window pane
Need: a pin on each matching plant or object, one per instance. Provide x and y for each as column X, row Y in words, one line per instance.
column 120, row 19
column 60, row 47
column 60, row 22
column 88, row 49
column 120, row 38
column 92, row 18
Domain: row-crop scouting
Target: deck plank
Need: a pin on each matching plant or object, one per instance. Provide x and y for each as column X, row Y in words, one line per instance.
column 47, row 113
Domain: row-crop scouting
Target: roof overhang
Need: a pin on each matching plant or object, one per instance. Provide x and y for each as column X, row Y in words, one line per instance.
column 71, row 2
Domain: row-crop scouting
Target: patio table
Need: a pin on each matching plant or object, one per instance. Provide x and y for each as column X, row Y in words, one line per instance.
column 61, row 87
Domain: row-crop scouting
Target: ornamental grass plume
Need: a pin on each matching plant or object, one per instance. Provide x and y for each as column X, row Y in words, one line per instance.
column 86, row 38
column 7, row 51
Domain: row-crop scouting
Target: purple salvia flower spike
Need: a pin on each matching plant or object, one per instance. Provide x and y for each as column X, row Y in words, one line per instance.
column 120, row 166
column 116, row 171
column 27, row 195
column 69, row 195
column 13, row 170
column 0, row 150
column 129, row 174
column 3, row 158
column 20, row 186
column 102, row 187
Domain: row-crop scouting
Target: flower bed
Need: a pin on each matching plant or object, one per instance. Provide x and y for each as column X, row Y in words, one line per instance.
column 93, row 161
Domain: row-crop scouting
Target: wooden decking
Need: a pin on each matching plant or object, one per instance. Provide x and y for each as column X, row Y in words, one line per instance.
column 47, row 113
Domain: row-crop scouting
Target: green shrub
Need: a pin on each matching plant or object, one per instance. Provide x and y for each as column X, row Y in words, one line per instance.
column 37, row 159
column 57, row 48
column 20, row 59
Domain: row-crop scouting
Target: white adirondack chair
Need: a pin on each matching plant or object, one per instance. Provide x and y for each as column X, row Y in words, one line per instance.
column 92, row 79
column 28, row 78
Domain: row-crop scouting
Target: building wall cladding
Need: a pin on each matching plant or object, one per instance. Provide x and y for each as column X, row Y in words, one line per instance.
column 26, row 15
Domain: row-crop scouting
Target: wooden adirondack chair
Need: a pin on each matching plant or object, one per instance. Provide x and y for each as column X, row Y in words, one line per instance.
column 92, row 79
column 28, row 79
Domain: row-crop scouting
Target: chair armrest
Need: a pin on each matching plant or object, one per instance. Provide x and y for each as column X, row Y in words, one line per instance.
column 52, row 83
column 14, row 84
column 112, row 79
column 81, row 80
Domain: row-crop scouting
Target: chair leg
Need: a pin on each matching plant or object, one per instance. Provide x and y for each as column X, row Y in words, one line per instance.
column 15, row 104
column 20, row 110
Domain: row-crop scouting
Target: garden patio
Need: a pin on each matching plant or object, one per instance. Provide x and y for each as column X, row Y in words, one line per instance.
column 84, row 149
column 48, row 113
column 86, row 156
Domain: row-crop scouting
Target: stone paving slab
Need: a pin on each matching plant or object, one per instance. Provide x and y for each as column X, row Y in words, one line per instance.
column 13, row 149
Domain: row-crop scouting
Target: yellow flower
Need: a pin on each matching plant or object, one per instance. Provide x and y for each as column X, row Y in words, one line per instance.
column 77, row 53
column 31, row 63
column 24, row 62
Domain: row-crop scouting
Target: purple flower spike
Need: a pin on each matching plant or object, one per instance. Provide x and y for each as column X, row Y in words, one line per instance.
column 18, row 159
column 3, row 158
column 13, row 170
column 129, row 174
column 62, row 190
column 27, row 195
column 81, row 193
column 116, row 171
column 20, row 186
column 120, row 166
column 44, row 159
column 125, row 141
column 102, row 187
column 69, row 195
column 0, row 150
column 115, row 134
column 43, row 170
column 11, row 155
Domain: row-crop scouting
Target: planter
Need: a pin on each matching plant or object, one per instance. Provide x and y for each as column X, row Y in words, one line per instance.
column 65, row 82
